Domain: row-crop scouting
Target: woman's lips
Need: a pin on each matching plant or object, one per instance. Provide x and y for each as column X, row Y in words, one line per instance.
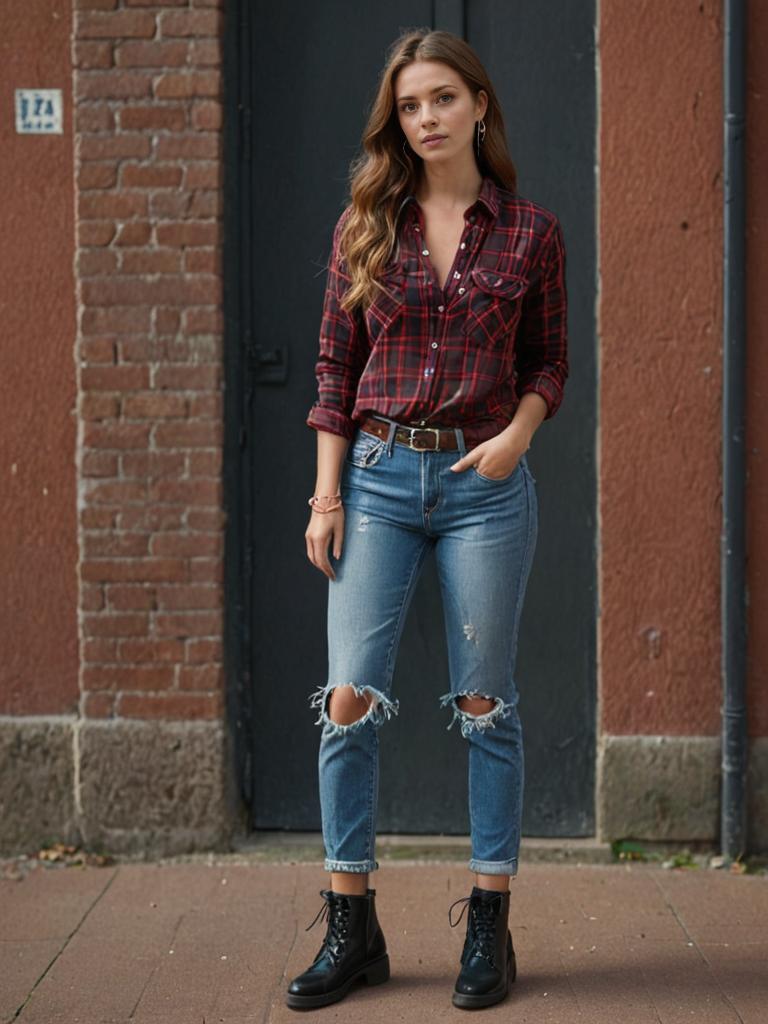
column 434, row 142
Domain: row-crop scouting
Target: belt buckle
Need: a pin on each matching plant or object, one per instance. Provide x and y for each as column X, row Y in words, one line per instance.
column 435, row 431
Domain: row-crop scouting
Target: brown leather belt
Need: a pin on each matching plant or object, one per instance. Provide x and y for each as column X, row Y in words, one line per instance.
column 422, row 438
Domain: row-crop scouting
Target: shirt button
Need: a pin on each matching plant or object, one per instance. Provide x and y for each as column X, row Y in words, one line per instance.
column 425, row 252
column 472, row 219
column 462, row 290
column 440, row 309
column 463, row 245
column 434, row 344
column 456, row 273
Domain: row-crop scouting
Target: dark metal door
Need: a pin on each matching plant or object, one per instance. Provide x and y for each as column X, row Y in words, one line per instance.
column 300, row 79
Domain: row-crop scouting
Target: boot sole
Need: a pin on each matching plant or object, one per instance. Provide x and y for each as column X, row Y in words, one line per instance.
column 374, row 973
column 469, row 1002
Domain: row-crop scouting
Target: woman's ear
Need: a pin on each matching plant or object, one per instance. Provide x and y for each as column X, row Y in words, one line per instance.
column 481, row 106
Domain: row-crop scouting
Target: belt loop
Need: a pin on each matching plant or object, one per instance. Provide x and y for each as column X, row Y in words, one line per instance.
column 391, row 437
column 460, row 440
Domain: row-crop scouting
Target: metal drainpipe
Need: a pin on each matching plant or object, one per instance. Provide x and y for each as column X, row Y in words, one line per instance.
column 733, row 808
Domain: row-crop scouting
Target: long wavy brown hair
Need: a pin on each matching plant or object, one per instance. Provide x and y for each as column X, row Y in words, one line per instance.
column 383, row 174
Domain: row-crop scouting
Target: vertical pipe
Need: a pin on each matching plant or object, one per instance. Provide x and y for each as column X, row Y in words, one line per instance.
column 733, row 818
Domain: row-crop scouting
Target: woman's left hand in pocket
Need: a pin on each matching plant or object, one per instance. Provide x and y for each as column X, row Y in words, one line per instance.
column 497, row 457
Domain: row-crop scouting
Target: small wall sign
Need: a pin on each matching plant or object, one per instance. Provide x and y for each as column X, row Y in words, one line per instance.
column 38, row 112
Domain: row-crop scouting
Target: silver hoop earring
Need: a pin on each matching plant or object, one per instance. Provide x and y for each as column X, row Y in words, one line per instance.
column 479, row 134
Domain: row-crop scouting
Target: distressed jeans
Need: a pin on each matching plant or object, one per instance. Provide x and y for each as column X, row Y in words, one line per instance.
column 400, row 502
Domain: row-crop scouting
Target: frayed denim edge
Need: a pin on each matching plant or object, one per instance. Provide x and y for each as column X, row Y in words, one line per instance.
column 381, row 709
column 470, row 722
column 359, row 867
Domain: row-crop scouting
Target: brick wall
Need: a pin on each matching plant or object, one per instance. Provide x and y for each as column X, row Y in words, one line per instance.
column 147, row 123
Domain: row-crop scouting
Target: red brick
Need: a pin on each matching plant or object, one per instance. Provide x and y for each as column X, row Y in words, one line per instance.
column 136, row 350
column 114, row 378
column 151, row 519
column 115, row 625
column 96, row 232
column 205, row 464
column 94, row 117
column 115, row 544
column 203, row 261
column 99, row 464
column 203, row 321
column 137, row 291
column 206, row 570
column 152, row 176
column 95, row 147
column 167, row 321
column 134, row 570
column 188, row 84
column 99, row 650
column 152, row 465
column 154, row 405
column 91, row 597
column 143, row 651
column 116, row 492
column 153, row 261
column 205, row 52
column 120, row 436
column 191, row 233
column 98, row 407
column 97, row 518
column 155, row 3
column 183, row 624
column 186, row 597
column 96, row 350
column 188, row 378
column 205, row 205
column 151, row 55
column 96, row 5
column 120, row 24
column 97, row 175
column 186, row 544
column 204, row 174
column 181, row 706
column 88, row 56
column 188, row 435
column 119, row 206
column 129, row 677
column 131, row 598
column 206, row 518
column 201, row 677
column 207, row 116
column 204, row 651
column 138, row 232
column 112, row 84
column 154, row 118
column 209, row 407
column 186, row 492
column 190, row 23
column 93, row 262
column 98, row 705
column 124, row 320
column 200, row 146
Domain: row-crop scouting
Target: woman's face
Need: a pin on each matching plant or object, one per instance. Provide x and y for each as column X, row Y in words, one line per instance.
column 433, row 99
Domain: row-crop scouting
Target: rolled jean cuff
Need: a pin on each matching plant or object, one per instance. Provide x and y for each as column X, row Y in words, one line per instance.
column 355, row 866
column 494, row 867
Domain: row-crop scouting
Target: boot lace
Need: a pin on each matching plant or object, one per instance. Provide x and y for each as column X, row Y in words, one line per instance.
column 335, row 910
column 481, row 925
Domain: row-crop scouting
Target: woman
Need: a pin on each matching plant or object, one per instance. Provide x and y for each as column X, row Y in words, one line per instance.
column 442, row 349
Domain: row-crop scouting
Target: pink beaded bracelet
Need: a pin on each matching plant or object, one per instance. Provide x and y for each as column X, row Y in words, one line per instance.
column 313, row 501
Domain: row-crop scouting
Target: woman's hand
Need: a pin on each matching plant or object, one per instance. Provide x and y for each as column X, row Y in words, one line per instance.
column 498, row 456
column 325, row 526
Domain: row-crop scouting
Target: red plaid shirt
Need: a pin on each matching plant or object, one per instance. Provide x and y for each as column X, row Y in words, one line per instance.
column 461, row 355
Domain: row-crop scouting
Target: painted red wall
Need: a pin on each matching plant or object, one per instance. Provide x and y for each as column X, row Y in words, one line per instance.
column 661, row 196
column 38, row 539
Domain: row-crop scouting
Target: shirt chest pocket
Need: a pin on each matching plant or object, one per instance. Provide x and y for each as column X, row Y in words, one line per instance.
column 494, row 306
column 387, row 305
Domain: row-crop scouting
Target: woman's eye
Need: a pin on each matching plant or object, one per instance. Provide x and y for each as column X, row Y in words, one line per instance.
column 447, row 95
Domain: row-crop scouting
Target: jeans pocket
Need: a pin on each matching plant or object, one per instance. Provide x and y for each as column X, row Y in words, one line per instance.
column 495, row 479
column 365, row 450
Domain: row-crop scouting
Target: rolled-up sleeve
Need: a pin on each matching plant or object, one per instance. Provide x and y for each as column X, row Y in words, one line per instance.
column 341, row 357
column 541, row 349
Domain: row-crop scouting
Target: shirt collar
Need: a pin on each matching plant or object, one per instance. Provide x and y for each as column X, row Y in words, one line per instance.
column 487, row 197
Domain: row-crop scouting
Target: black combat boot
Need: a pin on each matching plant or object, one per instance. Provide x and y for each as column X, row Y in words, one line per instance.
column 353, row 948
column 488, row 958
